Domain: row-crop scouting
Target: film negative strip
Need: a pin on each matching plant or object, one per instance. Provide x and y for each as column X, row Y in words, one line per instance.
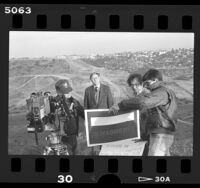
column 109, row 91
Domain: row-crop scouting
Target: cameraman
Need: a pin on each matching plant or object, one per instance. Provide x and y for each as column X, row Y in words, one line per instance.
column 71, row 109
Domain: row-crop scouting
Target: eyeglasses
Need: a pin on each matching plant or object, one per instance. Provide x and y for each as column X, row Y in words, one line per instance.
column 134, row 85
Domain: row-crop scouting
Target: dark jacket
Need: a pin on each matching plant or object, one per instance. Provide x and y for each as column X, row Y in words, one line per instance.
column 150, row 102
column 71, row 125
column 105, row 98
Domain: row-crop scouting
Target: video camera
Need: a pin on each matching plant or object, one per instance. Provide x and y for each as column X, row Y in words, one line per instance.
column 39, row 111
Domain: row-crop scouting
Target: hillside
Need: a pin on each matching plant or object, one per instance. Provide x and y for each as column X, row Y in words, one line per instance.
column 173, row 63
column 31, row 75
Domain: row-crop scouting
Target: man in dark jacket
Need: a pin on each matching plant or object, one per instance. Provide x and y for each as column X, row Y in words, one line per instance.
column 72, row 110
column 97, row 96
column 159, row 105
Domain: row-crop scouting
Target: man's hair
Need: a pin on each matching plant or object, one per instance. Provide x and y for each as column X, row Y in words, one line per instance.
column 134, row 76
column 152, row 74
column 91, row 75
column 33, row 93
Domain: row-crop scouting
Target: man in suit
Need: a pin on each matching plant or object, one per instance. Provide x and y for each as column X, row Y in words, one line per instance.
column 97, row 96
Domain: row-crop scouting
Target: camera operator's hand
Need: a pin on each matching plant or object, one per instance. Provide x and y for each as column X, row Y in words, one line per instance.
column 114, row 110
column 30, row 116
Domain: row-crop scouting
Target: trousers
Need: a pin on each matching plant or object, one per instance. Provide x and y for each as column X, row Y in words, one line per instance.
column 160, row 144
column 71, row 142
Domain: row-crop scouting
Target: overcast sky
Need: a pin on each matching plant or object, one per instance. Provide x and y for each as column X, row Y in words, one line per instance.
column 49, row 44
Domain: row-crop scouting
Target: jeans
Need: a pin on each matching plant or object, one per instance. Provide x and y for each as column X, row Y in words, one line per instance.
column 160, row 144
column 95, row 150
column 71, row 142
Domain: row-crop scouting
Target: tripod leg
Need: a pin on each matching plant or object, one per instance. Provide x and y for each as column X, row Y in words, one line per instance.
column 36, row 137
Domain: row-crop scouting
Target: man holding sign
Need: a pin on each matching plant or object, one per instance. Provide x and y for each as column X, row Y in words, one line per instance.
column 162, row 106
column 135, row 82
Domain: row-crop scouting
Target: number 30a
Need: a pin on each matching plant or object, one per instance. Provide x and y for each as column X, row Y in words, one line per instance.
column 162, row 179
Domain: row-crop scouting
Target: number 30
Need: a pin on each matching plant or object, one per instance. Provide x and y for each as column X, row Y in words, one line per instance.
column 65, row 179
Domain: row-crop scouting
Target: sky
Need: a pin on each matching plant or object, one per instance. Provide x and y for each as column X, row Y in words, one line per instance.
column 49, row 44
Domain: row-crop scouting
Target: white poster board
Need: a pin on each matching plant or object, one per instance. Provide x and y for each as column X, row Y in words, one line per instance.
column 123, row 148
column 102, row 128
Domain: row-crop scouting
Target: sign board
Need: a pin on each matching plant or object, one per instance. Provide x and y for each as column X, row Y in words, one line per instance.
column 102, row 128
column 123, row 148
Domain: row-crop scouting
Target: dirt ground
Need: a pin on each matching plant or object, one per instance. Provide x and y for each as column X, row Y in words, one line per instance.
column 22, row 143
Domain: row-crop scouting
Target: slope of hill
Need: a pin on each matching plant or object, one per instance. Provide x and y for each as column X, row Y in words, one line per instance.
column 173, row 63
column 29, row 75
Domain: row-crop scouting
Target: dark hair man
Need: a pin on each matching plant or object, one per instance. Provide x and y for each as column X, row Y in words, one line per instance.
column 72, row 111
column 97, row 96
column 162, row 106
column 135, row 82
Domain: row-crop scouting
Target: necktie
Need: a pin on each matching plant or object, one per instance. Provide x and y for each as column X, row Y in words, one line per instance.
column 96, row 95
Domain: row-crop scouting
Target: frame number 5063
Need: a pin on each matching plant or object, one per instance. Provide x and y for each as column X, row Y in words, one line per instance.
column 17, row 10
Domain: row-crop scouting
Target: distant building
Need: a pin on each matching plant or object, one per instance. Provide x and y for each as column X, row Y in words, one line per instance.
column 162, row 52
column 61, row 57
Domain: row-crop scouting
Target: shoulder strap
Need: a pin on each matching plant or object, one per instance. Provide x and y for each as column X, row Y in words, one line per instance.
column 65, row 107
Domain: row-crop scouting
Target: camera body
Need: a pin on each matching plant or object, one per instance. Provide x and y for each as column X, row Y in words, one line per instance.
column 39, row 105
column 42, row 111
column 39, row 112
column 36, row 125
